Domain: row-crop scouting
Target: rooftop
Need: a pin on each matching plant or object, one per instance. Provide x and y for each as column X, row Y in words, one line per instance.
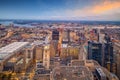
column 72, row 73
column 11, row 48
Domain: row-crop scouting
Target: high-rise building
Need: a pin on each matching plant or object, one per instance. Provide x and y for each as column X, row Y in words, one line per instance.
column 39, row 53
column 108, row 56
column 117, row 58
column 55, row 35
column 46, row 56
column 55, row 40
column 95, row 51
column 103, row 54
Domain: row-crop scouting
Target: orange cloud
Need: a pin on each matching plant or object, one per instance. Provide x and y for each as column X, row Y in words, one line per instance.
column 105, row 6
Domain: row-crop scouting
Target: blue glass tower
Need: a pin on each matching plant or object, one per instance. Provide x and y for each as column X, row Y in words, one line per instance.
column 95, row 51
column 108, row 56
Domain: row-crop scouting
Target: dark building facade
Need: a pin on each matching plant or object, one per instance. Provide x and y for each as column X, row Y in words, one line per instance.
column 55, row 35
column 103, row 54
column 95, row 51
column 55, row 39
column 108, row 56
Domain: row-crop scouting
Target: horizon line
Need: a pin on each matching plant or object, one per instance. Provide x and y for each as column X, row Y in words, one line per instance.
column 59, row 20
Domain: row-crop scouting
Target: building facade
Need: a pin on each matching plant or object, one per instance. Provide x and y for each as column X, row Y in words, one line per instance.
column 95, row 51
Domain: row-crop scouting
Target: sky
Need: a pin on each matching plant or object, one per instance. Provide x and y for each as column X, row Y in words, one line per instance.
column 108, row 10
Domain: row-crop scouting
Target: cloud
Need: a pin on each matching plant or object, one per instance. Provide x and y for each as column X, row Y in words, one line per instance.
column 107, row 5
column 100, row 8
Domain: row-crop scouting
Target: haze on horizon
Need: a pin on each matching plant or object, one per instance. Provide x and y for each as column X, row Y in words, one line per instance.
column 108, row 10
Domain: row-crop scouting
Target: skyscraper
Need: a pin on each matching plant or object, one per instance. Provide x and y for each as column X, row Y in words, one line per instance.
column 46, row 56
column 108, row 56
column 55, row 35
column 103, row 54
column 55, row 39
column 95, row 51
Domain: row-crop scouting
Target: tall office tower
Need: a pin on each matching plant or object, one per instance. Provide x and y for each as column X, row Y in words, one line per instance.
column 55, row 39
column 46, row 56
column 108, row 56
column 109, row 62
column 103, row 53
column 95, row 51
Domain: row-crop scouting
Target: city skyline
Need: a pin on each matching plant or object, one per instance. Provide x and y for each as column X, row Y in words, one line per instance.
column 107, row 10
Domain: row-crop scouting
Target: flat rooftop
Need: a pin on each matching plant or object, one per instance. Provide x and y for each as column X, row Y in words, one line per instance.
column 11, row 48
column 72, row 73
